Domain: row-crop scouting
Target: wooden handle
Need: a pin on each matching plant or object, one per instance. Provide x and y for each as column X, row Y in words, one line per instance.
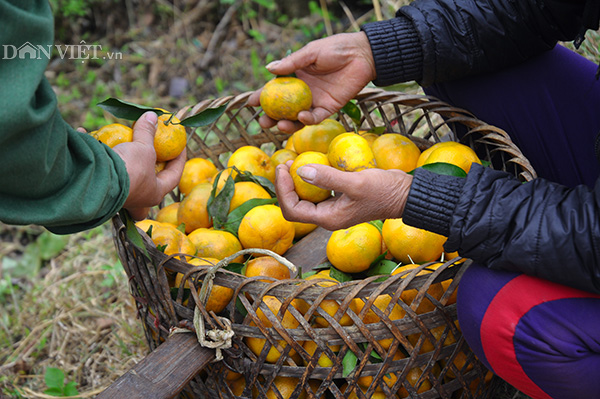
column 310, row 251
column 164, row 372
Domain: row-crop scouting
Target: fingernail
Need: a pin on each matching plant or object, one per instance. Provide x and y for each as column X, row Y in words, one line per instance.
column 152, row 118
column 273, row 64
column 307, row 172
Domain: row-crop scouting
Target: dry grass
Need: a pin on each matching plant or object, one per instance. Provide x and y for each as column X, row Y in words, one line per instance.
column 76, row 315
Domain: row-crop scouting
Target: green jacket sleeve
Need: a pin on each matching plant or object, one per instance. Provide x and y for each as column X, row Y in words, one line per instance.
column 50, row 174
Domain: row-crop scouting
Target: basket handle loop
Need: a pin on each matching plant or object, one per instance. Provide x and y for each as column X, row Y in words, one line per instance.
column 215, row 338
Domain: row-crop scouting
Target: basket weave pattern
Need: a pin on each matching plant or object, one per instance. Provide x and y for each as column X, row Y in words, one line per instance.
column 395, row 354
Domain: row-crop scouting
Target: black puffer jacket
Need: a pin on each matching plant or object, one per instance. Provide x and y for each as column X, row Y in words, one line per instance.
column 440, row 40
column 539, row 228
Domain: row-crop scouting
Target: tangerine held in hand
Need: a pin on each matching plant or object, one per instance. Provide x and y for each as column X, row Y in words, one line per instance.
column 305, row 190
column 351, row 152
column 284, row 98
column 170, row 139
column 113, row 134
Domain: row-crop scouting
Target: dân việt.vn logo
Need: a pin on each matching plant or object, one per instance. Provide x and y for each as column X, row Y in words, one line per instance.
column 81, row 51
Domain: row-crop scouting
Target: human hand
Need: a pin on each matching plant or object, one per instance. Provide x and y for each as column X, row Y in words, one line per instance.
column 335, row 68
column 146, row 187
column 363, row 196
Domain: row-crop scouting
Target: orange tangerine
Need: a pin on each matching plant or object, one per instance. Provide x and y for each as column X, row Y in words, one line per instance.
column 352, row 250
column 267, row 266
column 305, row 190
column 317, row 137
column 282, row 156
column 170, row 139
column 449, row 152
column 382, row 302
column 413, row 378
column 145, row 225
column 289, row 144
column 436, row 290
column 285, row 387
column 114, row 134
column 330, row 306
column 168, row 214
column 389, row 378
column 371, row 137
column 284, row 97
column 159, row 167
column 410, row 244
column 245, row 191
column 196, row 170
column 353, row 395
column 223, row 176
column 287, row 320
column 219, row 296
column 302, row 229
column 324, row 359
column 351, row 152
column 167, row 237
column 438, row 333
column 395, row 151
column 254, row 160
column 217, row 244
column 265, row 227
column 192, row 209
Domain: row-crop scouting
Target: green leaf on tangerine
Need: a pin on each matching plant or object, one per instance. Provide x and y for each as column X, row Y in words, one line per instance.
column 126, row 110
column 235, row 217
column 132, row 232
column 235, row 267
column 443, row 168
column 339, row 275
column 218, row 204
column 352, row 110
column 378, row 130
column 260, row 180
column 349, row 363
column 378, row 224
column 383, row 267
column 130, row 111
column 205, row 117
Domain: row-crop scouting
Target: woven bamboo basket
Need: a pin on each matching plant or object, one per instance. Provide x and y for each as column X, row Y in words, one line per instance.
column 421, row 355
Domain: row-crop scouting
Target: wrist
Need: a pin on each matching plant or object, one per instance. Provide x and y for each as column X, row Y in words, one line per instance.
column 366, row 53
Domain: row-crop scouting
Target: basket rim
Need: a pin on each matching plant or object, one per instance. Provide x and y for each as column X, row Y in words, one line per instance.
column 378, row 98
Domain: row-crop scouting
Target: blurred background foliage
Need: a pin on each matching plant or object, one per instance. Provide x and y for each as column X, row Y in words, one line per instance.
column 173, row 53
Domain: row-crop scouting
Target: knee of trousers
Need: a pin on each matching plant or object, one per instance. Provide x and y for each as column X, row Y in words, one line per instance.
column 476, row 291
column 527, row 330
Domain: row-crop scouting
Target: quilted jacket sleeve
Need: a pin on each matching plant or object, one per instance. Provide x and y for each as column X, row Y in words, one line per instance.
column 440, row 40
column 539, row 228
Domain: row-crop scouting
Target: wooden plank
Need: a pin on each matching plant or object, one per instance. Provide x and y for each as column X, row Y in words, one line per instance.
column 310, row 251
column 164, row 372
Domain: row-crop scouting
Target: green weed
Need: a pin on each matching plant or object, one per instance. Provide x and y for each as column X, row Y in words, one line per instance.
column 55, row 381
